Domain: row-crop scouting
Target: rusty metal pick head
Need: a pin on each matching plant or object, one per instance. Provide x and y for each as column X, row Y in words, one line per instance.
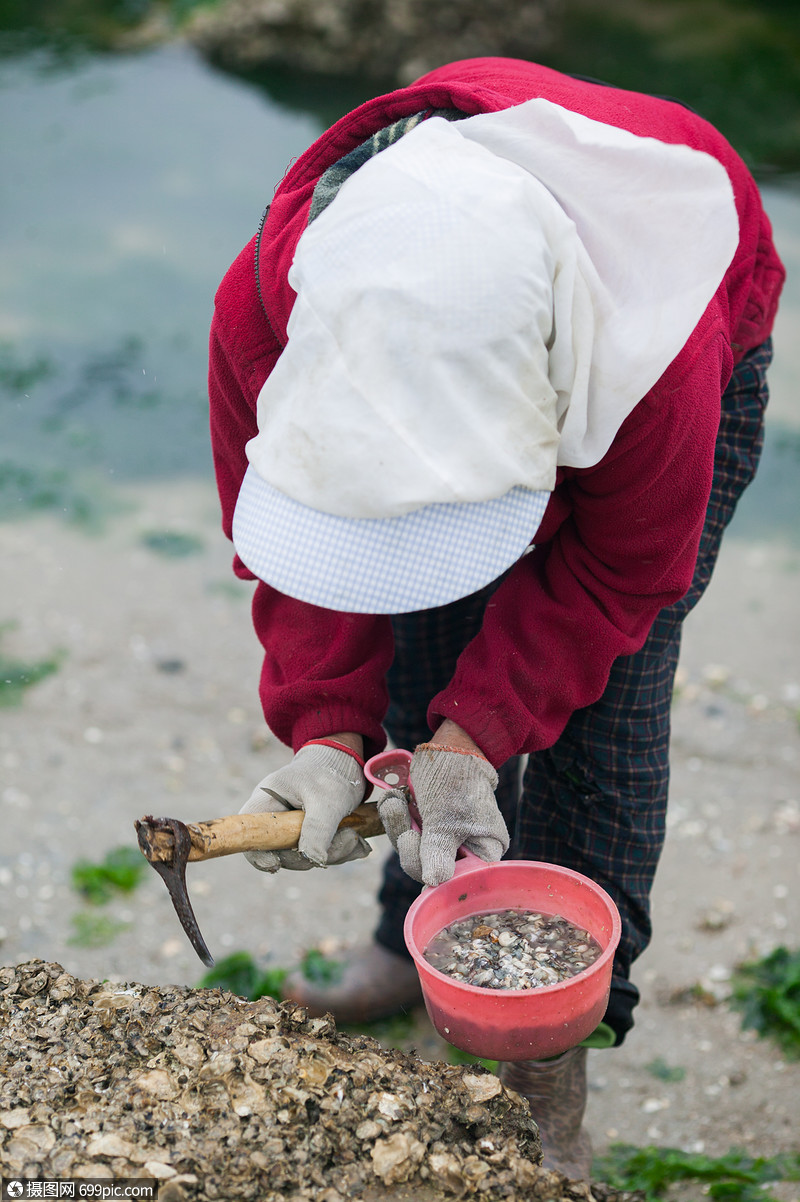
column 173, row 873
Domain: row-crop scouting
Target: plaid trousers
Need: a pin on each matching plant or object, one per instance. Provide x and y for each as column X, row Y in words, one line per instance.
column 595, row 801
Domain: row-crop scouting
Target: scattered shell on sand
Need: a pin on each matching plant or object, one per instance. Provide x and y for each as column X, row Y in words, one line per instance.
column 222, row 1098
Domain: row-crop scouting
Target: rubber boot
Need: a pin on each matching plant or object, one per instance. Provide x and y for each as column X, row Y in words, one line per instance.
column 556, row 1091
column 375, row 983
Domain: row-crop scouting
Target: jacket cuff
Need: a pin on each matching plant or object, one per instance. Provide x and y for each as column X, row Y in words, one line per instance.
column 336, row 747
column 322, row 722
column 491, row 731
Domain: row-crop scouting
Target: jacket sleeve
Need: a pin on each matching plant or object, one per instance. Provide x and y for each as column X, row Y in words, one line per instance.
column 323, row 671
column 626, row 548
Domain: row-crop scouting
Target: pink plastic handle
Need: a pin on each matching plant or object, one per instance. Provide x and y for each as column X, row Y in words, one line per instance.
column 391, row 770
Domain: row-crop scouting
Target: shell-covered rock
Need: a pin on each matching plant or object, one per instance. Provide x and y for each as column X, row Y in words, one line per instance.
column 219, row 1097
column 389, row 40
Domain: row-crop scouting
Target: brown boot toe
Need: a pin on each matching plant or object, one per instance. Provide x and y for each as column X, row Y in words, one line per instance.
column 374, row 983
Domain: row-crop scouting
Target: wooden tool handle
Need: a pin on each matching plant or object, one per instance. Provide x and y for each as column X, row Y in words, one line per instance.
column 273, row 830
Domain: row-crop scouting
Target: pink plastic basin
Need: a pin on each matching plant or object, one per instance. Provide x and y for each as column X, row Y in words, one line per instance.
column 515, row 1024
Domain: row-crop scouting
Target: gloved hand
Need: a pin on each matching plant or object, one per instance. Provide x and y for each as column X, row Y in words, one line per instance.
column 328, row 784
column 454, row 791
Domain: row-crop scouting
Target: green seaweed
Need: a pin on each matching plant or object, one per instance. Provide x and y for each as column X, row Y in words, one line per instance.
column 665, row 1072
column 120, row 872
column 36, row 489
column 767, row 992
column 95, row 930
column 17, row 675
column 320, row 969
column 239, row 974
column 736, row 1176
column 16, row 375
column 172, row 544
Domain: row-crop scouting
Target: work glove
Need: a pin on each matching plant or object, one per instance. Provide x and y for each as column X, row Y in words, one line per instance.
column 328, row 784
column 454, row 792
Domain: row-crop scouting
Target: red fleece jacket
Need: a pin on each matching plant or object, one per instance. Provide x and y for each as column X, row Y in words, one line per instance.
column 618, row 541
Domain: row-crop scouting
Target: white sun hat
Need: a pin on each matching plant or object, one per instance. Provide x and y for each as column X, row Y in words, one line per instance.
column 456, row 336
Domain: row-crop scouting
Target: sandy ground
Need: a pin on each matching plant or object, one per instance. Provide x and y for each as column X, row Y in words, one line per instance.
column 154, row 709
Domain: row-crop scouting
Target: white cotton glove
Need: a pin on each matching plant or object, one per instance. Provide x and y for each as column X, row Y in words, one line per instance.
column 454, row 791
column 328, row 784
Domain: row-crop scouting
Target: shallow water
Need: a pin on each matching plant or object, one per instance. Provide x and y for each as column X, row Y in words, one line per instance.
column 130, row 183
